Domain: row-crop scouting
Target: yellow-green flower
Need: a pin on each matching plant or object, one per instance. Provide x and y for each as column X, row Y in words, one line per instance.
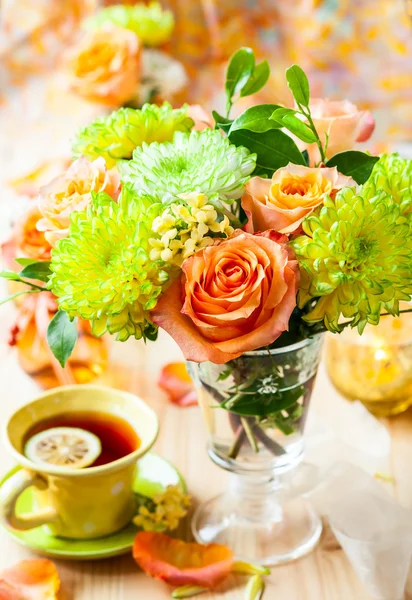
column 185, row 227
column 116, row 136
column 393, row 175
column 102, row 272
column 355, row 259
column 149, row 22
column 164, row 511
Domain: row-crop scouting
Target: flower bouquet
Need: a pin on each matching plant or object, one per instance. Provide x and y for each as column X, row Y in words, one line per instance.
column 117, row 61
column 245, row 241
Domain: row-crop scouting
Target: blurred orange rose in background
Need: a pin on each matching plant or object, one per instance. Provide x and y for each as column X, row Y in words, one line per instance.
column 233, row 297
column 28, row 239
column 342, row 122
column 105, row 66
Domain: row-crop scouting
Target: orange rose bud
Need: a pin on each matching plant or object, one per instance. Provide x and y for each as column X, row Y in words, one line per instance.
column 281, row 203
column 344, row 124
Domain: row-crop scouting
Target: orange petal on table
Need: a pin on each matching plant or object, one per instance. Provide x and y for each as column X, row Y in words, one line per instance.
column 176, row 381
column 181, row 563
column 30, row 580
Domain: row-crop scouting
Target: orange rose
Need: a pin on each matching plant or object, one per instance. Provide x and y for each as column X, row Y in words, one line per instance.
column 344, row 124
column 105, row 66
column 72, row 192
column 28, row 239
column 281, row 203
column 202, row 118
column 233, row 297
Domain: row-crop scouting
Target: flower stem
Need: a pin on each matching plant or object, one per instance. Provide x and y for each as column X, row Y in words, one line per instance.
column 238, row 442
column 269, row 444
column 315, row 133
column 250, row 434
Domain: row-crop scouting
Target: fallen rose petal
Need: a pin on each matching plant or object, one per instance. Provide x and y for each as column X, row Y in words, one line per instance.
column 180, row 563
column 177, row 383
column 30, row 580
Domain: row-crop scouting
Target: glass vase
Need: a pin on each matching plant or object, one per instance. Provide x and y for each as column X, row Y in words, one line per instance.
column 255, row 408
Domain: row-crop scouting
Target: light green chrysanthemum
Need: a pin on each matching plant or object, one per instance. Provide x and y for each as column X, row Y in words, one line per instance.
column 102, row 272
column 150, row 23
column 393, row 175
column 203, row 162
column 356, row 258
column 116, row 136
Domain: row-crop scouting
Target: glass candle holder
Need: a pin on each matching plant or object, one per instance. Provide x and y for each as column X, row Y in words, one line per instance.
column 375, row 368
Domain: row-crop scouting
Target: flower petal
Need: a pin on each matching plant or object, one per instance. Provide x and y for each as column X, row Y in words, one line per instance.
column 177, row 383
column 181, row 563
column 30, row 580
column 366, row 127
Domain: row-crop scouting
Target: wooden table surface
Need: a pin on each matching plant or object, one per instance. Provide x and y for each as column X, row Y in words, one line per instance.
column 323, row 575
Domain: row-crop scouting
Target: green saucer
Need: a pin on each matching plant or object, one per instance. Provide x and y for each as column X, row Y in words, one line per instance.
column 153, row 475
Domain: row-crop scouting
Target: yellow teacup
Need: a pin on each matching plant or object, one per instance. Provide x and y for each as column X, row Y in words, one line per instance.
column 78, row 503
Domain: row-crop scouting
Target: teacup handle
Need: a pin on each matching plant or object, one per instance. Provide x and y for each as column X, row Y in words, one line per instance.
column 9, row 494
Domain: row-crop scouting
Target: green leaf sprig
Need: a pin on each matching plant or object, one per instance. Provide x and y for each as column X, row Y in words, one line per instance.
column 244, row 77
column 286, row 117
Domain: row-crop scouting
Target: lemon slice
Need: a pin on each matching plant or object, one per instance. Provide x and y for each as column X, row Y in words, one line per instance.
column 70, row 447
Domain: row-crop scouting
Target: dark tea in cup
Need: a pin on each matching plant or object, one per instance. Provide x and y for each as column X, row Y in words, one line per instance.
column 116, row 435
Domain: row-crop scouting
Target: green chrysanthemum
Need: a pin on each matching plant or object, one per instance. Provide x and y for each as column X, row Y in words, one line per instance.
column 102, row 272
column 203, row 162
column 355, row 258
column 116, row 136
column 150, row 23
column 393, row 175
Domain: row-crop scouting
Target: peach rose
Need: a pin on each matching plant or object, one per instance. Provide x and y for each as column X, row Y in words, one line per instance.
column 105, row 66
column 28, row 240
column 281, row 203
column 234, row 296
column 202, row 118
column 344, row 124
column 72, row 192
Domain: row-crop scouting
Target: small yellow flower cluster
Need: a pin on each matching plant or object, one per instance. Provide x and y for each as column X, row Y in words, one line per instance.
column 183, row 229
column 164, row 511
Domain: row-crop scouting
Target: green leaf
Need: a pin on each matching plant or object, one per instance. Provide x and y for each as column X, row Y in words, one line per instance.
column 256, row 118
column 295, row 126
column 37, row 270
column 222, row 122
column 240, row 68
column 254, row 404
column 10, row 275
column 257, row 80
column 280, row 112
column 274, row 149
column 298, row 84
column 62, row 336
column 17, row 294
column 355, row 164
column 25, row 261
